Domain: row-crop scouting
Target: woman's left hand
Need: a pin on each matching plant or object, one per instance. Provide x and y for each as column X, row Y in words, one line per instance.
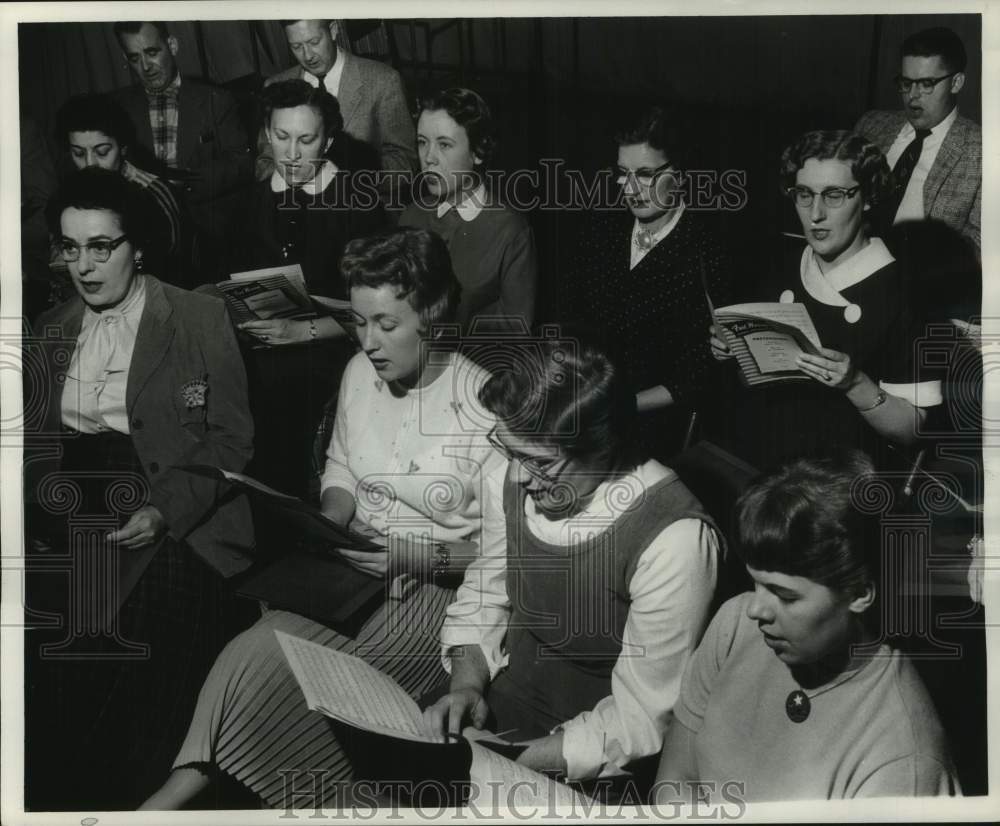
column 375, row 563
column 144, row 528
column 830, row 368
column 277, row 331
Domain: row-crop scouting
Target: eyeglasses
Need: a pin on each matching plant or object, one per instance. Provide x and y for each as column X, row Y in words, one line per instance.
column 529, row 463
column 833, row 197
column 643, row 176
column 100, row 251
column 925, row 85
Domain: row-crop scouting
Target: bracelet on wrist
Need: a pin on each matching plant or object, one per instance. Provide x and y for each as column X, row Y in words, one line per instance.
column 442, row 562
column 312, row 329
column 879, row 400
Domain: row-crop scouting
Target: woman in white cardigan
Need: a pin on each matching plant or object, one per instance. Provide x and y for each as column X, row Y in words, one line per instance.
column 408, row 458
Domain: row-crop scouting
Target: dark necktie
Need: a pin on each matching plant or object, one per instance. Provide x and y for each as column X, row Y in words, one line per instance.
column 903, row 169
column 321, row 78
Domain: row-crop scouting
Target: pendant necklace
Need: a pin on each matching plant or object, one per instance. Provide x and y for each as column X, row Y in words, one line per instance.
column 798, row 705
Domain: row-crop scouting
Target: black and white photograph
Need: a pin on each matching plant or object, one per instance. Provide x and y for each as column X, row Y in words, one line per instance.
column 552, row 413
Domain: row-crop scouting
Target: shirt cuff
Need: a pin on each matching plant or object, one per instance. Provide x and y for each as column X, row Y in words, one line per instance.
column 582, row 749
column 496, row 661
column 919, row 394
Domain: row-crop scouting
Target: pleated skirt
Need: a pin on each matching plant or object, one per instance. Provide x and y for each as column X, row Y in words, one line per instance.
column 251, row 719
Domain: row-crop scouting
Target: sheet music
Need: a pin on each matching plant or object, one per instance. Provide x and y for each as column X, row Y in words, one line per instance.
column 793, row 314
column 518, row 785
column 344, row 687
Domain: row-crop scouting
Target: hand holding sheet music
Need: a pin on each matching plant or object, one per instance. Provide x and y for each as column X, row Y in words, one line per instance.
column 347, row 689
column 766, row 338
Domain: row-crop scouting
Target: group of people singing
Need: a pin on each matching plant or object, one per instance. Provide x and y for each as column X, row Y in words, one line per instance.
column 585, row 620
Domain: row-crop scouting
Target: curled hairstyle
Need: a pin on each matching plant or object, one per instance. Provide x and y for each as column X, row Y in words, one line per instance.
column 415, row 262
column 287, row 94
column 469, row 111
column 868, row 164
column 803, row 520
column 569, row 391
column 94, row 113
column 103, row 189
column 661, row 129
column 939, row 42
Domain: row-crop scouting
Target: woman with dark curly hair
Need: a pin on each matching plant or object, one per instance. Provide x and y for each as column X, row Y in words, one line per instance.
column 492, row 247
column 867, row 388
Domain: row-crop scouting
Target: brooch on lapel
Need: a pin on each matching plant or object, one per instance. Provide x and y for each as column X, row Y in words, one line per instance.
column 194, row 392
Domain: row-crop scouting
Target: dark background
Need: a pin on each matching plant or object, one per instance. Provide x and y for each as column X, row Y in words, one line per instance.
column 744, row 86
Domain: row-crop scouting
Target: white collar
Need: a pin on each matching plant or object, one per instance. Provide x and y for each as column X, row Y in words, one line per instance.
column 331, row 80
column 937, row 132
column 826, row 287
column 319, row 182
column 663, row 231
column 468, row 208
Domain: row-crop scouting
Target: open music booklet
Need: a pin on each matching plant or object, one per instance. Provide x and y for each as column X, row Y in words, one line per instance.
column 347, row 689
column 766, row 338
column 278, row 292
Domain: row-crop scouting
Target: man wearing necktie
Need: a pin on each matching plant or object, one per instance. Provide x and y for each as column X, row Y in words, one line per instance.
column 378, row 129
column 935, row 153
column 191, row 128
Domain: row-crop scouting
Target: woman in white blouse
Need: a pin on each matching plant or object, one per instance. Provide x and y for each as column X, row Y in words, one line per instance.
column 140, row 378
column 575, row 640
column 408, row 458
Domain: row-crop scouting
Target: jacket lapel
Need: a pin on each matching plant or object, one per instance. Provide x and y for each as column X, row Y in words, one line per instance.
column 349, row 96
column 948, row 155
column 137, row 105
column 156, row 330
column 68, row 319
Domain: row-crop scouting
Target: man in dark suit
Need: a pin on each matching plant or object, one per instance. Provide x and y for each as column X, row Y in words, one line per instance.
column 190, row 127
column 370, row 94
column 935, row 153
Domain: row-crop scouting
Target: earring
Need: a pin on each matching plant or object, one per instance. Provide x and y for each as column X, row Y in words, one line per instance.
column 137, row 259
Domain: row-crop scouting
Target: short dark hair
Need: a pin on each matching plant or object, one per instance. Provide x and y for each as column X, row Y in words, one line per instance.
column 569, row 391
column 471, row 112
column 286, row 23
column 657, row 126
column 413, row 261
column 940, row 42
column 287, row 94
column 103, row 189
column 868, row 164
column 804, row 519
column 94, row 113
column 134, row 26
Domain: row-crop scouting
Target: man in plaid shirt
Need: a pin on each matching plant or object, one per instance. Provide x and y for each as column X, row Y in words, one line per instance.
column 192, row 129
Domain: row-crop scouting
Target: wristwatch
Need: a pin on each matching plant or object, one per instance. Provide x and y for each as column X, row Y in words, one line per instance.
column 442, row 562
column 879, row 399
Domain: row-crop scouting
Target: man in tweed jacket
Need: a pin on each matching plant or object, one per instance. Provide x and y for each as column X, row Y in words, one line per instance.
column 946, row 182
column 370, row 94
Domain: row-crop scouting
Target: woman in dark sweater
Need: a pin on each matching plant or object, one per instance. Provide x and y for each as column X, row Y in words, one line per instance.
column 304, row 214
column 638, row 280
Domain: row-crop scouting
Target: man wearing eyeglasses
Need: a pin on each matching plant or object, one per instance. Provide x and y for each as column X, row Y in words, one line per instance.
column 935, row 154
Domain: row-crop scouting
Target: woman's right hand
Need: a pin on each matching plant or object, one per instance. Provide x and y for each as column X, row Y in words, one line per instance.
column 720, row 350
column 447, row 714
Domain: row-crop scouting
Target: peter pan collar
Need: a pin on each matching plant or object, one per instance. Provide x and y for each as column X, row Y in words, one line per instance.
column 827, row 287
column 320, row 181
column 470, row 206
